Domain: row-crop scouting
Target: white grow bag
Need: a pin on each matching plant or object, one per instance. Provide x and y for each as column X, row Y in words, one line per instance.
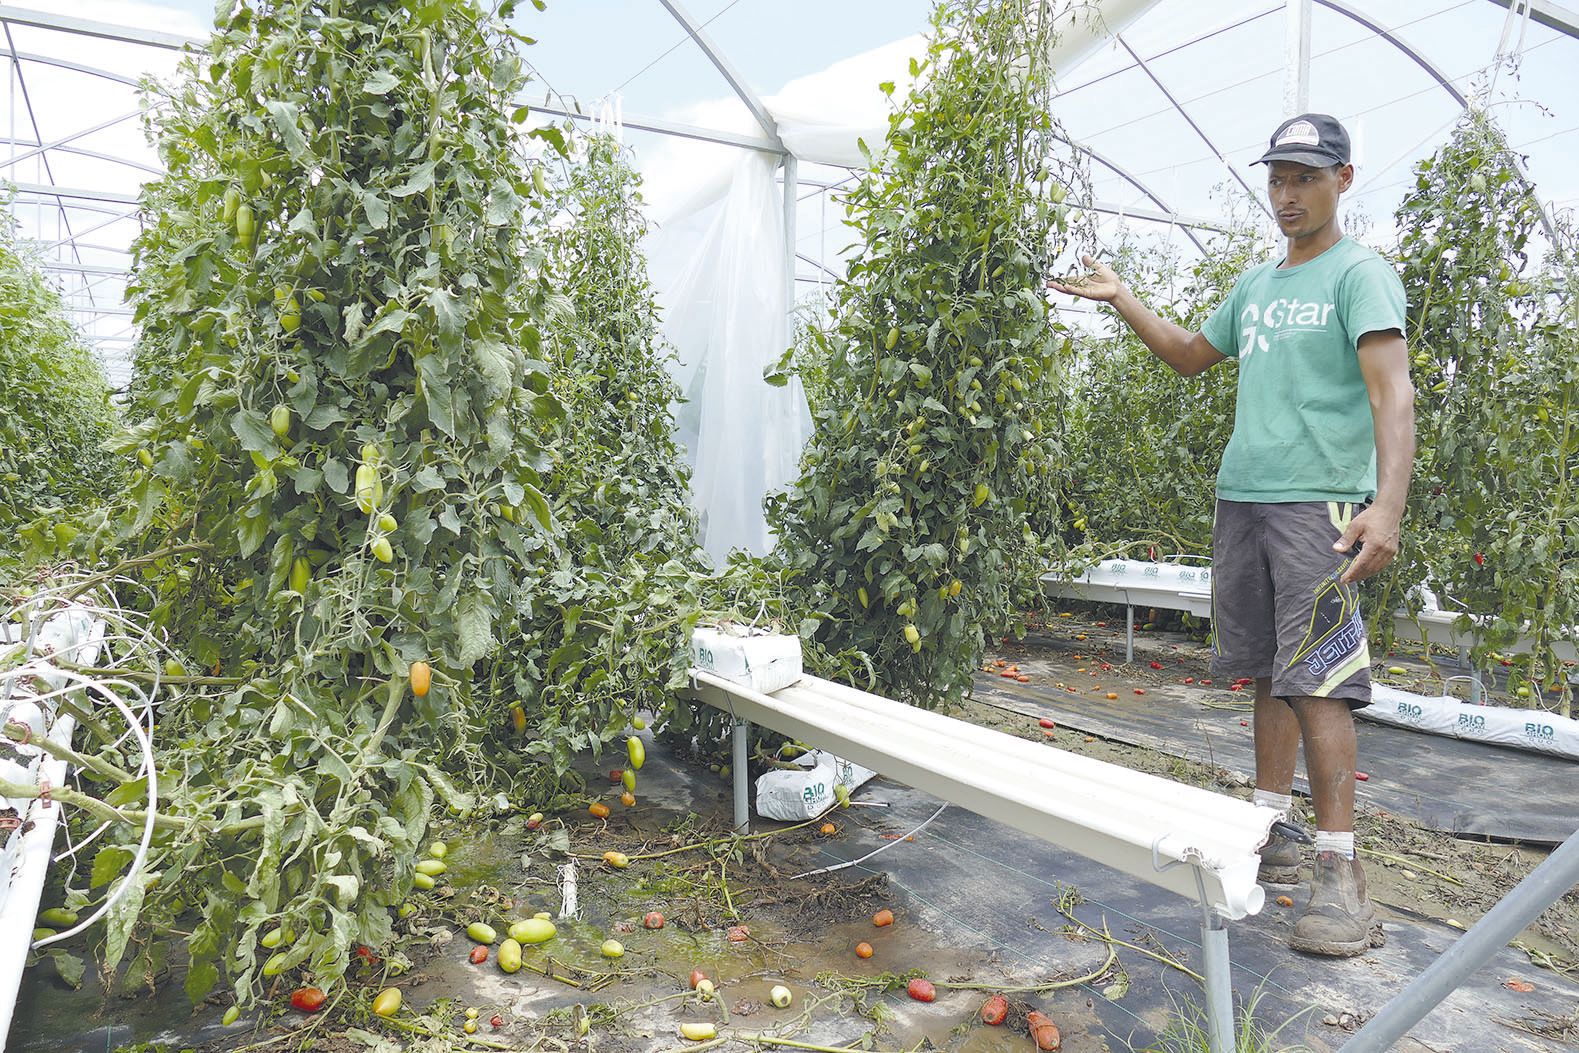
column 1529, row 729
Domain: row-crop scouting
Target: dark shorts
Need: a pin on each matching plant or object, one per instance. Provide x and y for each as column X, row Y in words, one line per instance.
column 1278, row 609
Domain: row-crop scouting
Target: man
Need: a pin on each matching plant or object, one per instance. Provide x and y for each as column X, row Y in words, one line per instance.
column 1310, row 495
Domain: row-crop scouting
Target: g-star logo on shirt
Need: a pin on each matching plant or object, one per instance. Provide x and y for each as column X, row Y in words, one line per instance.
column 1290, row 315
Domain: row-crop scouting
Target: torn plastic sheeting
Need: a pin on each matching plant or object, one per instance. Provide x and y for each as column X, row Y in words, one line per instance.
column 1530, row 729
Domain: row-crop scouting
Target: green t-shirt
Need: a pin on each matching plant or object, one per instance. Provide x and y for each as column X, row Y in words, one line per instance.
column 1302, row 425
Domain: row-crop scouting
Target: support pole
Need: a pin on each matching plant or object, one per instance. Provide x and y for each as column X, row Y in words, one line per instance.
column 742, row 791
column 1129, row 633
column 791, row 199
column 1543, row 887
column 1296, row 72
column 1219, row 982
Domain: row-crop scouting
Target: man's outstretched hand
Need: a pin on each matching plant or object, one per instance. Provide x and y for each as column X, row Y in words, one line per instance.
column 1377, row 530
column 1100, row 283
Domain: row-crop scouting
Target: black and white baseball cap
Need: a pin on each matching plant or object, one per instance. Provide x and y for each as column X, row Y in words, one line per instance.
column 1314, row 139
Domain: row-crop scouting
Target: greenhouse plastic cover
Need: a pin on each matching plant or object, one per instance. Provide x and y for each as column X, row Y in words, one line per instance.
column 1169, row 101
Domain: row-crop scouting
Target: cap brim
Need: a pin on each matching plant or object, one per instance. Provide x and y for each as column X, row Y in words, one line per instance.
column 1312, row 158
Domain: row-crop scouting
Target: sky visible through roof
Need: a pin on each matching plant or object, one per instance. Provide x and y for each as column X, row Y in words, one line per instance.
column 1222, row 61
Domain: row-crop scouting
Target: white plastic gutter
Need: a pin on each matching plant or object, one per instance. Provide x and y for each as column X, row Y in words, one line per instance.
column 1137, row 823
column 25, row 857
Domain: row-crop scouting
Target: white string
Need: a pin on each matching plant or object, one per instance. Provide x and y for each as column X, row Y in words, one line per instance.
column 876, row 851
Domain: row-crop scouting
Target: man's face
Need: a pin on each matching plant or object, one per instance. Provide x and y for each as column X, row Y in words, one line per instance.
column 1305, row 199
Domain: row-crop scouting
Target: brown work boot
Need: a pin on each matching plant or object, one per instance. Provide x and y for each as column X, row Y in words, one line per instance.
column 1280, row 860
column 1339, row 920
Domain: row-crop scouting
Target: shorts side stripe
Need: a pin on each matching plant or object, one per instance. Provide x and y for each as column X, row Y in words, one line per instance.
column 1344, row 671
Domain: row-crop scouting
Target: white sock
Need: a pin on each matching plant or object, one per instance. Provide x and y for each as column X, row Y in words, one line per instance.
column 1283, row 802
column 1331, row 841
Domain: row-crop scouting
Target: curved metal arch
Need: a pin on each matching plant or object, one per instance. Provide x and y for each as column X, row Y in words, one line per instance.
column 737, row 82
column 1436, row 74
column 76, row 67
column 1134, row 181
column 81, row 152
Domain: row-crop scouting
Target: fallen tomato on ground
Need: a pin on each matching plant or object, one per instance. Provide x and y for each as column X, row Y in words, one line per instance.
column 1043, row 1031
column 995, row 1010
column 307, row 999
column 883, row 917
column 478, row 955
column 921, row 990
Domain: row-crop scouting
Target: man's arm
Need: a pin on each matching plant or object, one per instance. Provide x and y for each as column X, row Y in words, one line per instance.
column 1188, row 353
column 1384, row 362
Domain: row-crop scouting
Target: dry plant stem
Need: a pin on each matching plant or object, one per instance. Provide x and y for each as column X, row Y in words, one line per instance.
column 1112, row 956
column 1110, row 939
column 1411, row 863
column 420, row 1027
column 710, row 843
column 767, row 1040
column 694, row 1048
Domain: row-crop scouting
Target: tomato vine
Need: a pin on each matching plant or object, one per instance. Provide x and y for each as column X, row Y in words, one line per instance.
column 1144, row 443
column 1496, row 370
column 341, row 476
column 906, row 530
column 55, row 409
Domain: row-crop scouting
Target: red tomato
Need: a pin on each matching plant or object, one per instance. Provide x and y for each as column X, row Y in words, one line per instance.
column 496, row 1021
column 921, row 990
column 1047, row 722
column 697, row 976
column 653, row 920
column 995, row 1010
column 479, row 955
column 1156, row 665
column 307, row 999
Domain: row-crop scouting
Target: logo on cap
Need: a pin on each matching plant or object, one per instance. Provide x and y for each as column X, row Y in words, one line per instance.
column 1300, row 133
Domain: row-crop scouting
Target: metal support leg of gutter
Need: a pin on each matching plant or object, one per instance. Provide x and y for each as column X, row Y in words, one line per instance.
column 1129, row 633
column 1540, row 889
column 1214, row 962
column 1219, row 984
column 742, row 788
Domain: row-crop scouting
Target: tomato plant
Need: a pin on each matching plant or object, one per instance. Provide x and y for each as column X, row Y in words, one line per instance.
column 1142, row 443
column 906, row 530
column 1496, row 370
column 605, row 631
column 345, row 231
column 55, row 410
